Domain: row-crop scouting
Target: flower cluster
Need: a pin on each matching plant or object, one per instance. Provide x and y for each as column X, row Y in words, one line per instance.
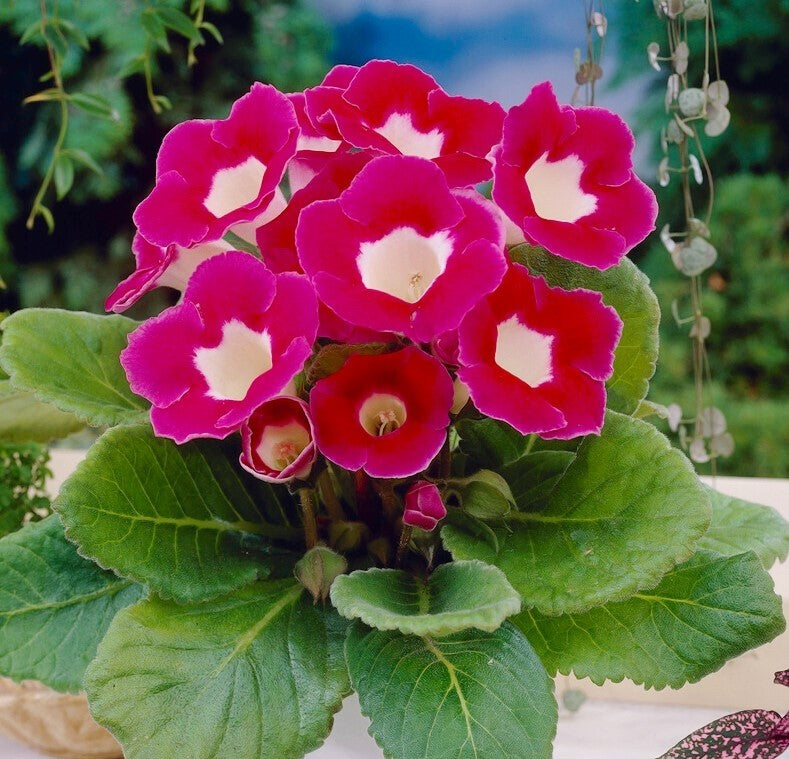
column 362, row 198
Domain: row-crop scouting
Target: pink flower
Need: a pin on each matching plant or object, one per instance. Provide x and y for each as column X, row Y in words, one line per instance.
column 399, row 251
column 212, row 175
column 278, row 440
column 565, row 177
column 237, row 339
column 423, row 506
column 277, row 238
column 386, row 414
column 398, row 109
column 538, row 357
column 313, row 149
column 160, row 267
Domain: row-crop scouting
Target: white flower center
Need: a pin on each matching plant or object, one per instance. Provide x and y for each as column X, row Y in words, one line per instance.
column 524, row 352
column 234, row 187
column 280, row 446
column 400, row 131
column 321, row 144
column 404, row 263
column 232, row 366
column 555, row 189
column 381, row 414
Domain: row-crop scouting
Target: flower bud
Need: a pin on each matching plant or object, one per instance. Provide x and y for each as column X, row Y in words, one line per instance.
column 423, row 506
column 318, row 568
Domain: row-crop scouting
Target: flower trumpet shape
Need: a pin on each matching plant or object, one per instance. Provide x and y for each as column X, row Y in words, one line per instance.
column 237, row 339
column 392, row 108
column 278, row 441
column 386, row 414
column 538, row 357
column 160, row 267
column 423, row 506
column 213, row 175
column 398, row 251
column 564, row 176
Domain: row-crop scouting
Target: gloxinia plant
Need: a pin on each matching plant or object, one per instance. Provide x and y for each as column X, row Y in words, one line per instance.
column 378, row 445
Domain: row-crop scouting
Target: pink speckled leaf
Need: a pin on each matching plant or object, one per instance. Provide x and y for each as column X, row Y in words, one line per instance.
column 782, row 678
column 750, row 734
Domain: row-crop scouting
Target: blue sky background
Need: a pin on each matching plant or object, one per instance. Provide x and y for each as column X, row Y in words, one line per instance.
column 495, row 49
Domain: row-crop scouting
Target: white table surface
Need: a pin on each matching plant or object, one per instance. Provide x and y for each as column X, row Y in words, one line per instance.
column 600, row 729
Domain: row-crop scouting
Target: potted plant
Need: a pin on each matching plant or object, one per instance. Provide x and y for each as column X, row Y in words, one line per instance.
column 391, row 440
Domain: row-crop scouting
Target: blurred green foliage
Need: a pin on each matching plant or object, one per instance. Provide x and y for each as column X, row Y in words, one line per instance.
column 23, row 475
column 746, row 298
column 746, row 294
column 278, row 41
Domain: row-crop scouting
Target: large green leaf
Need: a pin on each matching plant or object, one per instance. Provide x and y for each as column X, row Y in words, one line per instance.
column 704, row 612
column 54, row 606
column 628, row 508
column 454, row 597
column 472, row 695
column 184, row 519
column 256, row 674
column 489, row 443
column 533, row 477
column 626, row 289
column 70, row 359
column 739, row 526
column 23, row 417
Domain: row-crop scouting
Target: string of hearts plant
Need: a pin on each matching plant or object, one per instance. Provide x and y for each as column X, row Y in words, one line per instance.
column 389, row 440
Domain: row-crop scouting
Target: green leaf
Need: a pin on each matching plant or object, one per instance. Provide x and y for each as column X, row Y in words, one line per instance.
column 533, row 477
column 70, row 359
column 84, row 158
column 154, row 28
column 63, row 175
column 54, row 606
column 703, row 613
column 94, row 105
column 628, row 508
column 23, row 417
column 739, row 526
column 179, row 22
column 213, row 31
column 184, row 519
column 454, row 597
column 490, row 444
column 256, row 674
column 472, row 695
column 626, row 289
column 47, row 216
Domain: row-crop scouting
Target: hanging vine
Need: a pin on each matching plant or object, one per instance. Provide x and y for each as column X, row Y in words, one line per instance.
column 692, row 108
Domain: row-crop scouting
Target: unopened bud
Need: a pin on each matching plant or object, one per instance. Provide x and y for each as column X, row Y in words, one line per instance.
column 317, row 570
column 423, row 506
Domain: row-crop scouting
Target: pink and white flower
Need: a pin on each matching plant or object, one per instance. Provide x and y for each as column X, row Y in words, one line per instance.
column 214, row 175
column 238, row 337
column 313, row 149
column 387, row 414
column 423, row 506
column 399, row 251
column 160, row 267
column 565, row 177
column 538, row 357
column 278, row 441
column 398, row 109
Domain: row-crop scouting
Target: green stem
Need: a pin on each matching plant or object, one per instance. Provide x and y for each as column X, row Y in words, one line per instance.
column 307, row 501
column 405, row 537
column 329, row 496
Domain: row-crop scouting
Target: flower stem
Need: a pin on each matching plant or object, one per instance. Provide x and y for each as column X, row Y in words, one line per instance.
column 405, row 537
column 307, row 500
column 327, row 492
